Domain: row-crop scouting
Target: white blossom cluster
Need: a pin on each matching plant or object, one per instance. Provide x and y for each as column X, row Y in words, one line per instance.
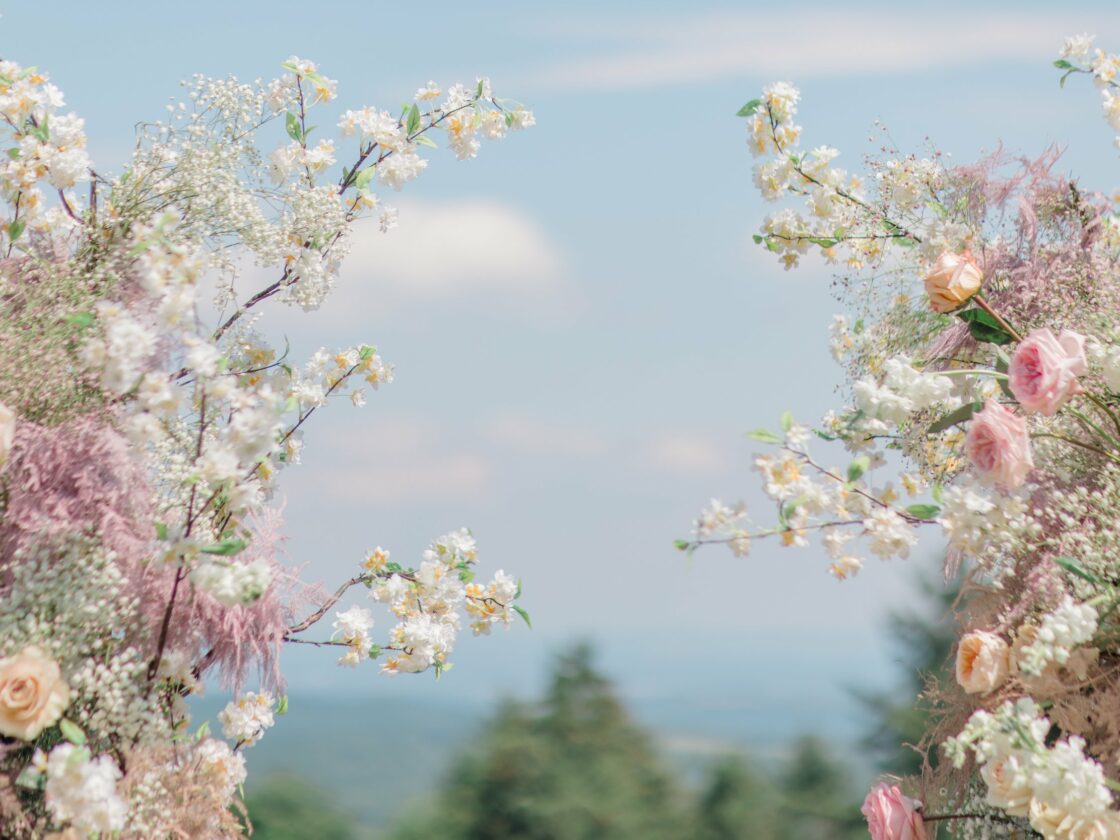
column 42, row 145
column 1062, row 630
column 428, row 603
column 82, row 790
column 1058, row 788
column 246, row 718
column 1078, row 53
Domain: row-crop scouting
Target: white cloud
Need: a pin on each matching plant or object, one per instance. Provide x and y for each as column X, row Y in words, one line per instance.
column 541, row 437
column 398, row 463
column 452, row 249
column 774, row 44
column 682, row 454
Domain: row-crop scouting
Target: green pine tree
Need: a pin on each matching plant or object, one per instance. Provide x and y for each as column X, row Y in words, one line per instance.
column 571, row 767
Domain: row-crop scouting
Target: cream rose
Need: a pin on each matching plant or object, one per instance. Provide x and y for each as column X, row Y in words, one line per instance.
column 952, row 280
column 33, row 694
column 7, row 432
column 982, row 662
column 1007, row 788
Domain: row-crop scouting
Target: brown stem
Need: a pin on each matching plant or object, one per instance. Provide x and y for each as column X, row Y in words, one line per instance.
column 330, row 602
column 1010, row 330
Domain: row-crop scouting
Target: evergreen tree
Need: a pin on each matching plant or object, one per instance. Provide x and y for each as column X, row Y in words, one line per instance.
column 924, row 638
column 738, row 802
column 817, row 798
column 572, row 767
column 289, row 808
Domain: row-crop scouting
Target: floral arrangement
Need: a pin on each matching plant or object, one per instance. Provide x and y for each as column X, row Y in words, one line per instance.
column 982, row 351
column 141, row 437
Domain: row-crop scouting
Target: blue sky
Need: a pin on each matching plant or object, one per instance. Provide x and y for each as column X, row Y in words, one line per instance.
column 581, row 326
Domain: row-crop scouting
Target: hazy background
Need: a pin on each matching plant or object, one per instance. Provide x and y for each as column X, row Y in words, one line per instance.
column 581, row 325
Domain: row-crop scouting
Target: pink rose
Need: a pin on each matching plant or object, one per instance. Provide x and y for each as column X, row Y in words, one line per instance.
column 999, row 446
column 892, row 816
column 1044, row 370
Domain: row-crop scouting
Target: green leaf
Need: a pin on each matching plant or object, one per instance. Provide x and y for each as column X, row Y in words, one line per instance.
column 31, row 778
column 374, row 651
column 824, row 243
column 478, row 90
column 413, row 119
column 957, row 415
column 764, row 436
column 937, row 491
column 15, row 229
column 773, row 245
column 1062, row 64
column 858, row 467
column 291, row 122
column 466, row 576
column 758, row 237
column 517, row 594
column 681, row 545
column 393, row 566
column 161, row 531
column 364, row 177
column 203, row 730
column 14, row 153
column 984, row 328
column 749, row 109
column 1002, row 365
column 41, row 132
column 282, row 705
column 425, row 140
column 366, row 351
column 1072, row 566
column 72, row 732
column 290, row 67
column 81, row 320
column 521, row 611
column 226, row 548
column 787, row 421
column 923, row 511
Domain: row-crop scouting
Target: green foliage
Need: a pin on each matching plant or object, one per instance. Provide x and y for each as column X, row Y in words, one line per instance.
column 569, row 767
column 924, row 638
column 288, row 808
column 737, row 802
column 984, row 328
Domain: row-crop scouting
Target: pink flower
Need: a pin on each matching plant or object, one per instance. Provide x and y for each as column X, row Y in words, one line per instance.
column 892, row 816
column 1044, row 370
column 999, row 446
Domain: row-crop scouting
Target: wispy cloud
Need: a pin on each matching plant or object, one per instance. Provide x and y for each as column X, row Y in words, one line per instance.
column 533, row 436
column 403, row 462
column 703, row 47
column 450, row 250
column 685, row 454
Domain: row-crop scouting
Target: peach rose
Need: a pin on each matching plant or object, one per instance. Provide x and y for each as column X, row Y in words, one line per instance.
column 999, row 774
column 33, row 694
column 999, row 446
column 982, row 662
column 1044, row 370
column 953, row 279
column 892, row 816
